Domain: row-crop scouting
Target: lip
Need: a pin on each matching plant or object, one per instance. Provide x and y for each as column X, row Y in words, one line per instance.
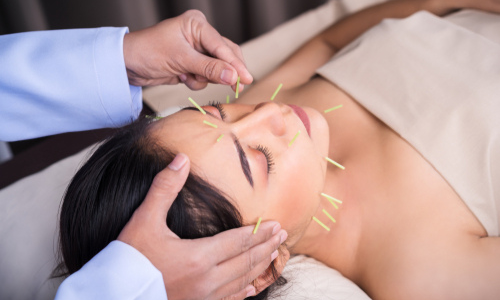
column 302, row 116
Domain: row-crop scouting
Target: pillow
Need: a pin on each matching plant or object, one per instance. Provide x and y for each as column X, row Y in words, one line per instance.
column 28, row 230
column 309, row 279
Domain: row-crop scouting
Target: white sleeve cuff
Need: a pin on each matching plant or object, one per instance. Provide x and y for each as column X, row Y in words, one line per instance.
column 119, row 271
column 121, row 104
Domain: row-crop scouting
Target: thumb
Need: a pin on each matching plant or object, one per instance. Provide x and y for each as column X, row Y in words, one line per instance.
column 164, row 189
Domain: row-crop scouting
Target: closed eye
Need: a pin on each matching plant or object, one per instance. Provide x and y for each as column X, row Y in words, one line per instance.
column 269, row 157
column 219, row 107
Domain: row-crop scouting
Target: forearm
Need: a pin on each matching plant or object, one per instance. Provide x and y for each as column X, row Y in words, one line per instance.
column 75, row 78
column 348, row 29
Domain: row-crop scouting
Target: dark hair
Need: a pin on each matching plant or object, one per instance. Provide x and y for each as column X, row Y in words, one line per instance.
column 109, row 187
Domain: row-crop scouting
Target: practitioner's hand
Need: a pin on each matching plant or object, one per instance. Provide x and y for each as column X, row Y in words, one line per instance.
column 207, row 268
column 183, row 49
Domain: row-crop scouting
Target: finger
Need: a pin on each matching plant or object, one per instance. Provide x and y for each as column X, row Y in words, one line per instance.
column 249, row 263
column 200, row 78
column 235, row 48
column 242, row 87
column 214, row 44
column 215, row 70
column 242, row 70
column 236, row 241
column 279, row 264
column 194, row 84
column 164, row 189
column 260, row 282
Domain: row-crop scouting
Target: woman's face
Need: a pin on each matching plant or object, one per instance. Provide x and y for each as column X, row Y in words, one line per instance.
column 253, row 163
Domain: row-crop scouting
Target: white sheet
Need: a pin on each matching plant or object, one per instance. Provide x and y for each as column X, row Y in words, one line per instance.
column 436, row 84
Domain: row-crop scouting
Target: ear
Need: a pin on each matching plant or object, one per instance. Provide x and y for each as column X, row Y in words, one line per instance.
column 267, row 277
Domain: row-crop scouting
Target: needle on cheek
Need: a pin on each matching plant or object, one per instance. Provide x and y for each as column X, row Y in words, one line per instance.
column 332, row 200
column 220, row 137
column 257, row 225
column 294, row 138
column 329, row 216
column 333, row 108
column 276, row 92
column 335, row 163
column 321, row 224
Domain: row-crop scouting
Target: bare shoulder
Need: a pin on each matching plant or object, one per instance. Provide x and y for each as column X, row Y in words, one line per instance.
column 468, row 268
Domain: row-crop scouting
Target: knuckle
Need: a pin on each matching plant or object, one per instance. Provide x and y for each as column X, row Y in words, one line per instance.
column 247, row 279
column 251, row 262
column 163, row 181
column 196, row 263
column 245, row 242
column 196, row 14
column 210, row 70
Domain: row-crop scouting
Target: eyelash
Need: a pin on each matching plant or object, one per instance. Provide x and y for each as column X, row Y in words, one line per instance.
column 267, row 153
column 219, row 107
column 269, row 157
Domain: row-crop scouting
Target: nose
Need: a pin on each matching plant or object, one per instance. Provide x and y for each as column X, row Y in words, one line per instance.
column 266, row 117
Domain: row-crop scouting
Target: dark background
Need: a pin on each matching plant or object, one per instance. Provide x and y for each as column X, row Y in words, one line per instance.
column 239, row 20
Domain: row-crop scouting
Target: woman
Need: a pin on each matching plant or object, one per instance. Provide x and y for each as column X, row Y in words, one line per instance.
column 254, row 171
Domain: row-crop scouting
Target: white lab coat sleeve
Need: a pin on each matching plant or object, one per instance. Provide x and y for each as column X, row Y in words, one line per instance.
column 64, row 80
column 119, row 271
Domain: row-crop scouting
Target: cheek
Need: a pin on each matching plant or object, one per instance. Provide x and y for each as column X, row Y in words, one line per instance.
column 297, row 197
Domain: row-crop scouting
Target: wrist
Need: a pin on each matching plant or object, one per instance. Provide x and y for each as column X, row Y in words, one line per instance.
column 130, row 58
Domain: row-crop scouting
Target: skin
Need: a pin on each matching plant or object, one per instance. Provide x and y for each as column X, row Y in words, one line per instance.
column 392, row 237
column 219, row 161
column 188, row 49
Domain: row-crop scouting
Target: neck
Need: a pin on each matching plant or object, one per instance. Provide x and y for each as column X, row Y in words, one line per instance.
column 338, row 247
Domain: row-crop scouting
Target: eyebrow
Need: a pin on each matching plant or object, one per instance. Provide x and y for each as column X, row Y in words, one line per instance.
column 243, row 160
column 241, row 154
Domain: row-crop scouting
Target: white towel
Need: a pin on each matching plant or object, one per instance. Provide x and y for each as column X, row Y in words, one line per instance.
column 437, row 84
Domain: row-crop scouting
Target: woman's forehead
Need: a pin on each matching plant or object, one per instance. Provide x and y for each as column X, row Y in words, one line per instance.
column 215, row 161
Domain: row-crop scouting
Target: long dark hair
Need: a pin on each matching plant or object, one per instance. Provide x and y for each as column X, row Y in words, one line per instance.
column 114, row 181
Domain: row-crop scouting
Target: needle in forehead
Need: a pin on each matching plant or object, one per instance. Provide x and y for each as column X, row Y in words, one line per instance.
column 197, row 106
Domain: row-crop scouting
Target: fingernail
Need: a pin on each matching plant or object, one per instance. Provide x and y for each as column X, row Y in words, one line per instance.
column 283, row 237
column 227, row 76
column 250, row 290
column 178, row 162
column 274, row 255
column 276, row 228
column 183, row 77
